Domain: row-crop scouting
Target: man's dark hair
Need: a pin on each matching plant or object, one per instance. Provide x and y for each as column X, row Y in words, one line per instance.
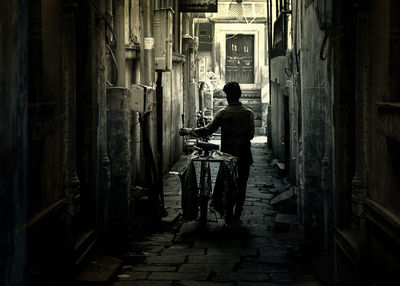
column 232, row 91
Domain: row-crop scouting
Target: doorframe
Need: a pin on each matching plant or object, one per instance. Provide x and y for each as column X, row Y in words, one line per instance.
column 219, row 50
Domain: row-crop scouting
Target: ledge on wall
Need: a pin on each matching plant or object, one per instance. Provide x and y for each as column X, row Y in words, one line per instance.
column 383, row 218
column 176, row 57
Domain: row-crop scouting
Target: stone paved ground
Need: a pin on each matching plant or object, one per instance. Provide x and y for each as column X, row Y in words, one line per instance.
column 253, row 254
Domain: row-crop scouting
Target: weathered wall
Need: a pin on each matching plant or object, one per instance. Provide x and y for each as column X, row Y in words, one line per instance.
column 383, row 145
column 294, row 123
column 278, row 91
column 13, row 139
column 191, row 91
column 315, row 95
column 382, row 141
column 367, row 115
column 301, row 121
column 264, row 93
column 52, row 103
column 46, row 106
column 40, row 100
column 172, row 115
column 119, row 151
column 55, row 127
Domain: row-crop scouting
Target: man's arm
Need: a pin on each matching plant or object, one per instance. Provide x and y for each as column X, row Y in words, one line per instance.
column 211, row 127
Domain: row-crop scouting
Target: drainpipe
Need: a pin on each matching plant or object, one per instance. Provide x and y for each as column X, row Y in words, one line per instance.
column 148, row 76
column 119, row 29
column 149, row 120
column 269, row 120
column 269, row 16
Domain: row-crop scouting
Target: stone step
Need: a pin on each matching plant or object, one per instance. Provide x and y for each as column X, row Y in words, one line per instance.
column 258, row 123
column 99, row 270
column 259, row 131
column 251, row 93
column 255, row 109
column 285, row 222
column 286, row 195
column 83, row 244
column 253, row 101
column 286, row 202
column 257, row 116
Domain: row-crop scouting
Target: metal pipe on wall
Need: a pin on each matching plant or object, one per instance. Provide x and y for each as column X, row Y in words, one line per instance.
column 148, row 7
column 148, row 76
column 150, row 118
column 119, row 28
column 269, row 23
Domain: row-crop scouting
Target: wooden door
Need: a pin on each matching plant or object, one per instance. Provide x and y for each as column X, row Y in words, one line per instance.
column 240, row 58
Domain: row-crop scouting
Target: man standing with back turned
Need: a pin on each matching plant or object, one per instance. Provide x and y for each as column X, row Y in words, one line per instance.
column 237, row 129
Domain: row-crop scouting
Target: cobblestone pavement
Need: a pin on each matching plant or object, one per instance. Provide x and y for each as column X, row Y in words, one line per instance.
column 252, row 254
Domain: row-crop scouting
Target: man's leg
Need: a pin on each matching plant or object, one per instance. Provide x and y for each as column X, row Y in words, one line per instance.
column 243, row 176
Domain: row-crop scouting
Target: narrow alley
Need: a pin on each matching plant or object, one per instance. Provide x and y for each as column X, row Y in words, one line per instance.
column 103, row 101
column 255, row 253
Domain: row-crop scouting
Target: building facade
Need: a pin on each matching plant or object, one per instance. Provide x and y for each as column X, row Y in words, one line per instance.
column 334, row 121
column 92, row 102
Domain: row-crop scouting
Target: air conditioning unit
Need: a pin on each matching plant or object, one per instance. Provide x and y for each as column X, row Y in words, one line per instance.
column 163, row 39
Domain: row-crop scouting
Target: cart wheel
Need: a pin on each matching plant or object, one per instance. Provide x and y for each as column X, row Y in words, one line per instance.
column 203, row 211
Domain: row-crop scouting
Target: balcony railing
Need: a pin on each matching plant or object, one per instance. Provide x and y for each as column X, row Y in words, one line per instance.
column 235, row 10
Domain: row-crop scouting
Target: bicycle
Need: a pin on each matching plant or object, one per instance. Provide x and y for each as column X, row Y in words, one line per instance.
column 205, row 153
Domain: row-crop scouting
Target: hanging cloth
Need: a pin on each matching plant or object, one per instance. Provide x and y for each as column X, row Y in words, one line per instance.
column 225, row 189
column 189, row 199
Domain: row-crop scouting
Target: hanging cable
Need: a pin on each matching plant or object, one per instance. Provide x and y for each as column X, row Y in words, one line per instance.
column 116, row 67
column 244, row 15
column 321, row 52
column 105, row 20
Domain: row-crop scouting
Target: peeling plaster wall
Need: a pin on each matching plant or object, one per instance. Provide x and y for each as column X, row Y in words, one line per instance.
column 315, row 98
column 264, row 94
column 383, row 88
column 383, row 143
column 172, row 111
column 13, row 139
column 278, row 89
column 45, row 106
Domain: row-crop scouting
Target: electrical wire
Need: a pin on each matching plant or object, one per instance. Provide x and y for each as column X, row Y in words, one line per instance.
column 116, row 67
column 247, row 22
column 321, row 52
column 230, row 37
column 244, row 15
column 105, row 20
